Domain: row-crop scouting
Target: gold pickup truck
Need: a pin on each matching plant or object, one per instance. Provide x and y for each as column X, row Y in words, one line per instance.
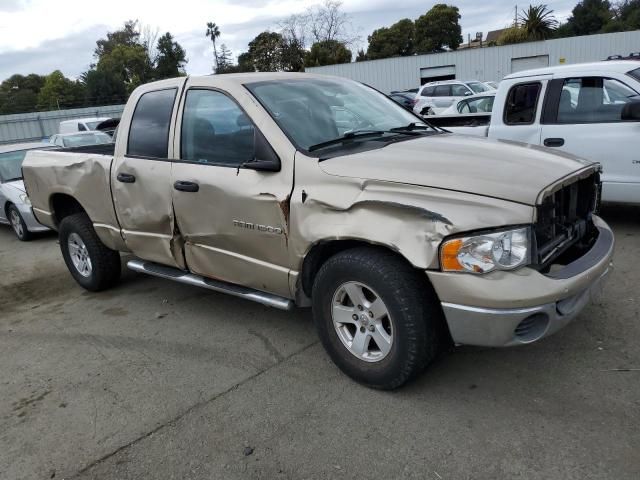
column 305, row 190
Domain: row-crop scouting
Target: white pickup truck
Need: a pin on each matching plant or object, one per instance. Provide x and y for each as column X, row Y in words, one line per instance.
column 591, row 110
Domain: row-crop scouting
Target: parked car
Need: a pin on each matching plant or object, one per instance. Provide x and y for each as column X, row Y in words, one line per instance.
column 79, row 139
column 591, row 110
column 492, row 85
column 480, row 103
column 81, row 124
column 407, row 100
column 435, row 97
column 15, row 207
column 301, row 189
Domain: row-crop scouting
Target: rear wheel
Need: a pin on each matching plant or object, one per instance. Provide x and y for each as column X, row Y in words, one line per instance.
column 93, row 265
column 18, row 225
column 378, row 318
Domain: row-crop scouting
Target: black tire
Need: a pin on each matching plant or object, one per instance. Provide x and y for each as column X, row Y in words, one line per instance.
column 23, row 234
column 105, row 263
column 417, row 318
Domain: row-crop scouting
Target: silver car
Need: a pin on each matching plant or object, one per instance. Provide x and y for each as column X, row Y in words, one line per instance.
column 15, row 207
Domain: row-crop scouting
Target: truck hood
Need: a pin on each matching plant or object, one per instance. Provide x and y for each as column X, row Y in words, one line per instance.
column 501, row 169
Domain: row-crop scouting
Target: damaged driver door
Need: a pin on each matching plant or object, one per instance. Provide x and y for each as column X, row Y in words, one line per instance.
column 230, row 195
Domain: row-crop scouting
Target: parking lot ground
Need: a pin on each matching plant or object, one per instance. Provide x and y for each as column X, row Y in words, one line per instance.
column 159, row 380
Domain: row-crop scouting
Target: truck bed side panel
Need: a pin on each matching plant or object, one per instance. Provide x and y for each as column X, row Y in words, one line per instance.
column 82, row 176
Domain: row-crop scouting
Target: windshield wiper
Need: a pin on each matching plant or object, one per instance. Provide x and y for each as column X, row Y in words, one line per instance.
column 358, row 134
column 12, row 179
column 417, row 126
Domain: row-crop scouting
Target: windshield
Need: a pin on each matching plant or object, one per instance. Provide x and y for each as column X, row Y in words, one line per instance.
column 314, row 111
column 478, row 87
column 96, row 138
column 11, row 165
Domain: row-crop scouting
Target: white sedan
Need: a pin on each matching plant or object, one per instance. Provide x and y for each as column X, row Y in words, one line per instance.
column 480, row 103
column 15, row 207
column 80, row 139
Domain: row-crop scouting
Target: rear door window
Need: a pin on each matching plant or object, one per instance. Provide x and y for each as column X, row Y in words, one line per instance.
column 522, row 104
column 635, row 74
column 460, row 91
column 149, row 130
column 442, row 91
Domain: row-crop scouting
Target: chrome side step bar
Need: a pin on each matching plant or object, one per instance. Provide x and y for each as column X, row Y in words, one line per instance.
column 181, row 276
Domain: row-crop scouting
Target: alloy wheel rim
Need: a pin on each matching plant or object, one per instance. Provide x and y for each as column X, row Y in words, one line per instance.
column 79, row 255
column 16, row 223
column 362, row 321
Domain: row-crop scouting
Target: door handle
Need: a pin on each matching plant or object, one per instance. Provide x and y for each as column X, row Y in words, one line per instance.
column 126, row 178
column 553, row 142
column 186, row 186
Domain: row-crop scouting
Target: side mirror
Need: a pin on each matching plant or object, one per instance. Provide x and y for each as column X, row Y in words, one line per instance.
column 467, row 94
column 266, row 159
column 631, row 111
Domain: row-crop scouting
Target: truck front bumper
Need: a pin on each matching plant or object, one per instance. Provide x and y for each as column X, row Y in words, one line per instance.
column 515, row 308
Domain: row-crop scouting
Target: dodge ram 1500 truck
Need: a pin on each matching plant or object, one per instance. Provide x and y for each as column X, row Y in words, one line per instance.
column 296, row 189
column 591, row 110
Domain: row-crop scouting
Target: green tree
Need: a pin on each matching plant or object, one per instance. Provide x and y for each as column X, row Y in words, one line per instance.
column 398, row 40
column 213, row 32
column 265, row 52
column 128, row 35
column 245, row 63
column 60, row 92
column 19, row 93
column 292, row 55
column 538, row 22
column 626, row 16
column 225, row 61
column 327, row 52
column 104, row 88
column 130, row 64
column 361, row 56
column 589, row 17
column 438, row 29
column 171, row 58
column 513, row 35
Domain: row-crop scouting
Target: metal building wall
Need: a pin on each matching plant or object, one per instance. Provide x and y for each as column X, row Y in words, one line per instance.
column 492, row 63
column 35, row 126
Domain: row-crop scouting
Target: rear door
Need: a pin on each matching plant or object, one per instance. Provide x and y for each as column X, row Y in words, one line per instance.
column 234, row 220
column 583, row 117
column 141, row 177
column 519, row 117
column 442, row 96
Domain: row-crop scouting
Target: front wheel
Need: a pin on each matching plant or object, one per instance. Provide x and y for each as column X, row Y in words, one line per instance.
column 93, row 265
column 378, row 318
column 18, row 224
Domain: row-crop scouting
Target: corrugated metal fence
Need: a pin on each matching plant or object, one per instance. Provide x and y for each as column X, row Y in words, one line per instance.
column 35, row 126
column 492, row 63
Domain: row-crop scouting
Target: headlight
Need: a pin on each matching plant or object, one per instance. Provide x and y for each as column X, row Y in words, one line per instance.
column 503, row 250
column 25, row 199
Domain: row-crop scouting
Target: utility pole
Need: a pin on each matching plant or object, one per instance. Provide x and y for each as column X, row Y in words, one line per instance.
column 515, row 19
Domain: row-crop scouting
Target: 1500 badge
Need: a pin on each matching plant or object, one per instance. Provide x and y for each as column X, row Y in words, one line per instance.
column 257, row 226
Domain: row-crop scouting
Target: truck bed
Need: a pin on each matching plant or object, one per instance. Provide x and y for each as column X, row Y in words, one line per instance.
column 81, row 173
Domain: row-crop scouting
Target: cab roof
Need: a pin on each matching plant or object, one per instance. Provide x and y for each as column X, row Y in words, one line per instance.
column 618, row 66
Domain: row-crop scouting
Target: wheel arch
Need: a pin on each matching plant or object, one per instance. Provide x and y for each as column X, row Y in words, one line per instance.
column 62, row 205
column 323, row 250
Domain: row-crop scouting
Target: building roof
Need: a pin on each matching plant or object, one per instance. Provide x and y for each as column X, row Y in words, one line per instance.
column 494, row 35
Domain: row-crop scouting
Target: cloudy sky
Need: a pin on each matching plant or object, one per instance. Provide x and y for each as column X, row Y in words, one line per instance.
column 43, row 35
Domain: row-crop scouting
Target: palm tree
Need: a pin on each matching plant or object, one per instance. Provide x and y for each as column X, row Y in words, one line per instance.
column 213, row 32
column 538, row 21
